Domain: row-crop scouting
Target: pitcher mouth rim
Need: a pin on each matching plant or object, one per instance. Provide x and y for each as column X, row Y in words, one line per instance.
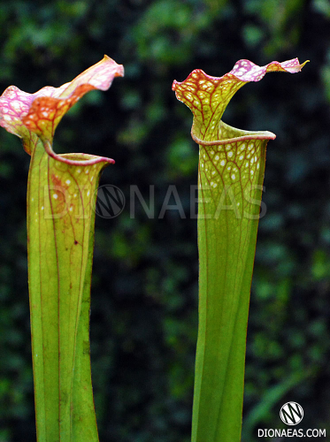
column 262, row 135
column 82, row 159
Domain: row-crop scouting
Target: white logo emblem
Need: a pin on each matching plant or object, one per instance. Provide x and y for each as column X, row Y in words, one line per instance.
column 291, row 413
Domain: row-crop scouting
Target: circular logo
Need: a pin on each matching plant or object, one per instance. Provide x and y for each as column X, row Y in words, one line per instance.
column 110, row 201
column 291, row 413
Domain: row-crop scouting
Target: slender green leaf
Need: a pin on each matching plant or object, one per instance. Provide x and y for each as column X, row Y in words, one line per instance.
column 230, row 182
column 60, row 222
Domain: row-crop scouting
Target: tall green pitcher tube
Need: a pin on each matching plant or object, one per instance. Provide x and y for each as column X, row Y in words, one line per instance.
column 230, row 182
column 60, row 226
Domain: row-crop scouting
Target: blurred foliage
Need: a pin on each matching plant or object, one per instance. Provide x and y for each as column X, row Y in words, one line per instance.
column 144, row 291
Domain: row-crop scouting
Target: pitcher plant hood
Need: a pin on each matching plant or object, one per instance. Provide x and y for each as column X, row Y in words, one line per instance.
column 34, row 117
column 207, row 97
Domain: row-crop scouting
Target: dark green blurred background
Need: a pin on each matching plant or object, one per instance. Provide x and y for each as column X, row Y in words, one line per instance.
column 144, row 291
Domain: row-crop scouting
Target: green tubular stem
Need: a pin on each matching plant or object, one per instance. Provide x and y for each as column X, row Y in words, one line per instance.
column 60, row 222
column 230, row 183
